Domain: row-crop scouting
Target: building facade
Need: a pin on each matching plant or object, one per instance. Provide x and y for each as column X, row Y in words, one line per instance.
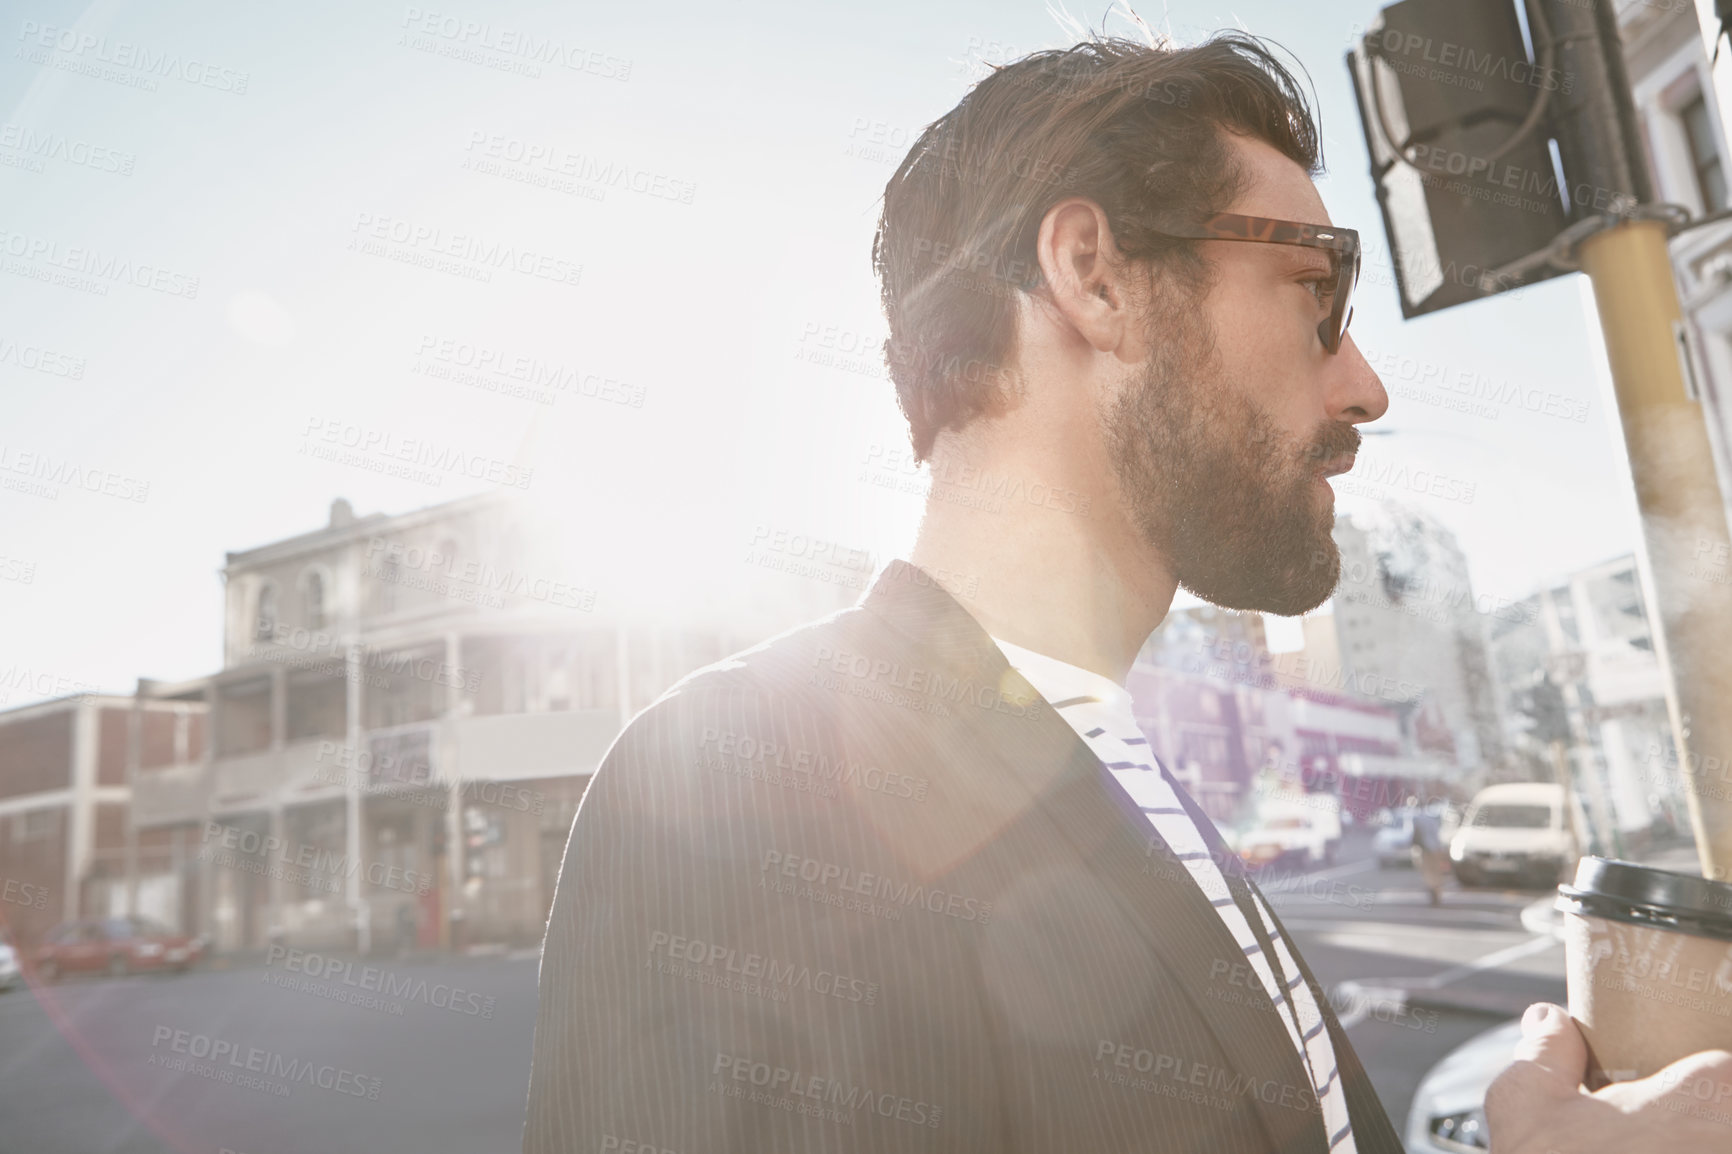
column 65, row 765
column 1234, row 721
column 1410, row 628
column 1590, row 639
column 1684, row 142
column 409, row 710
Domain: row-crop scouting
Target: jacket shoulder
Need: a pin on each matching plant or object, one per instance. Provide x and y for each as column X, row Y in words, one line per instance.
column 763, row 702
column 779, row 663
column 773, row 677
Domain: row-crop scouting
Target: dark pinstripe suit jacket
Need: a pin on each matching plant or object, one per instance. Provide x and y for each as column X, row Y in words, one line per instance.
column 860, row 889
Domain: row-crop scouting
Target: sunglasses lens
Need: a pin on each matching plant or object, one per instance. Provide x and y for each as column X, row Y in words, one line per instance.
column 1343, row 310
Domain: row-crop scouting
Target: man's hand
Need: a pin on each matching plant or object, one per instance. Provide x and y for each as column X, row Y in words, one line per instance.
column 1538, row 1105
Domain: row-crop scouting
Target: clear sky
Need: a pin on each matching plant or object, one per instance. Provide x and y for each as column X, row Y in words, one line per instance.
column 328, row 171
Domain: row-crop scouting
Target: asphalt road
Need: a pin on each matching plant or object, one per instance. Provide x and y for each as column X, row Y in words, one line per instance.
column 1364, row 930
column 440, row 1064
column 90, row 1066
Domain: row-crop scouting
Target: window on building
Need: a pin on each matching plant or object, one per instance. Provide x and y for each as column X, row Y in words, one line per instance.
column 1209, row 749
column 243, row 717
column 484, row 843
column 1564, row 605
column 313, row 599
column 318, row 834
column 318, row 701
column 1704, row 153
column 557, row 688
column 385, row 596
column 404, row 686
column 517, row 679
column 597, row 674
column 265, row 620
column 34, row 824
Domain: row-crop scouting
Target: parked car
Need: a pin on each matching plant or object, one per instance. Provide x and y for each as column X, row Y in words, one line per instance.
column 1517, row 833
column 115, row 946
column 1448, row 1111
column 1393, row 841
column 1285, row 838
column 9, row 971
column 1327, row 814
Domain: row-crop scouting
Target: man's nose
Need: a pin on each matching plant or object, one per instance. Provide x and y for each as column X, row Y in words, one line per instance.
column 1356, row 395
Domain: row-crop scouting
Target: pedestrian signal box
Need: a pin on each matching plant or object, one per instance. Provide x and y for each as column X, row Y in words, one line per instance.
column 1456, row 110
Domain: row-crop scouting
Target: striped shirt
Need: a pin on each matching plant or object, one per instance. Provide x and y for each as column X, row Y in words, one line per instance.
column 1100, row 711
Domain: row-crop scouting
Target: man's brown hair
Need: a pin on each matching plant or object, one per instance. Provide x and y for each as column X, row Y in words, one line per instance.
column 1134, row 128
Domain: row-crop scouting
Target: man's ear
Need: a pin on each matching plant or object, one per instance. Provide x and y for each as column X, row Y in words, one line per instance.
column 1084, row 272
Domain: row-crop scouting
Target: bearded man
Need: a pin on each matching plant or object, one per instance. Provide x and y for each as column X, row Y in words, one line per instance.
column 909, row 877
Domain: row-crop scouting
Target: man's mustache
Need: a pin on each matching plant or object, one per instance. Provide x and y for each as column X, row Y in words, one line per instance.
column 1336, row 439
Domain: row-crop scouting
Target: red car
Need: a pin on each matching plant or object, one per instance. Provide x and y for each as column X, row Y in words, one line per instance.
column 115, row 946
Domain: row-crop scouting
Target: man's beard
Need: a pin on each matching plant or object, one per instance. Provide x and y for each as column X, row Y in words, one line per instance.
column 1227, row 499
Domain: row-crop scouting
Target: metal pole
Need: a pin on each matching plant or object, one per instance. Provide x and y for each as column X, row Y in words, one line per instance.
column 1683, row 517
column 1572, row 801
column 133, row 740
column 359, row 907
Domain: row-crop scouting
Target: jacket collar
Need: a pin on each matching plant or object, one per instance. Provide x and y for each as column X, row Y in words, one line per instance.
column 1039, row 755
column 913, row 603
column 910, row 601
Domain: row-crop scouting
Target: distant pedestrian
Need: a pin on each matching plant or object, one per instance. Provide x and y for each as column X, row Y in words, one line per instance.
column 407, row 928
column 1429, row 854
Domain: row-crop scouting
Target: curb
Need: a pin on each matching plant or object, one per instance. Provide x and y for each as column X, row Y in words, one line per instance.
column 254, row 959
column 1489, row 1003
column 1357, row 999
column 1456, row 999
column 1543, row 917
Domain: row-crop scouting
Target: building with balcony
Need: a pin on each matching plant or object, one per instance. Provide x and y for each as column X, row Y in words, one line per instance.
column 408, row 712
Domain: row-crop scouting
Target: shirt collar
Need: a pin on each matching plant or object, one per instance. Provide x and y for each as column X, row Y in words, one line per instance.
column 1060, row 680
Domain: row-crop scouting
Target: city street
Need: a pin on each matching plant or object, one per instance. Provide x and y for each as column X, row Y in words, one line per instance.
column 1374, row 928
column 394, row 545
column 82, row 1068
column 435, row 1055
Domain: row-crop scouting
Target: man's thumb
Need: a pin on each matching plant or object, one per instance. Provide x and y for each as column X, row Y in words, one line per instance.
column 1550, row 1060
column 1551, row 1042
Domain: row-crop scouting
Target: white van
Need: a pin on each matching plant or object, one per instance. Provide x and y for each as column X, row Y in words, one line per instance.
column 1521, row 833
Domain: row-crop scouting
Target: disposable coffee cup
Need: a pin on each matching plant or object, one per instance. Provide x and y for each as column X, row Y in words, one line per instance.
column 1649, row 959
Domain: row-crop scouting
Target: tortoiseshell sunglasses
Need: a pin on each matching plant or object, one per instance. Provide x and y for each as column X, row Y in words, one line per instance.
column 1341, row 245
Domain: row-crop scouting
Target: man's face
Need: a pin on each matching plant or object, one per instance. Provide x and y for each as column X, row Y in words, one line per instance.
column 1220, row 440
